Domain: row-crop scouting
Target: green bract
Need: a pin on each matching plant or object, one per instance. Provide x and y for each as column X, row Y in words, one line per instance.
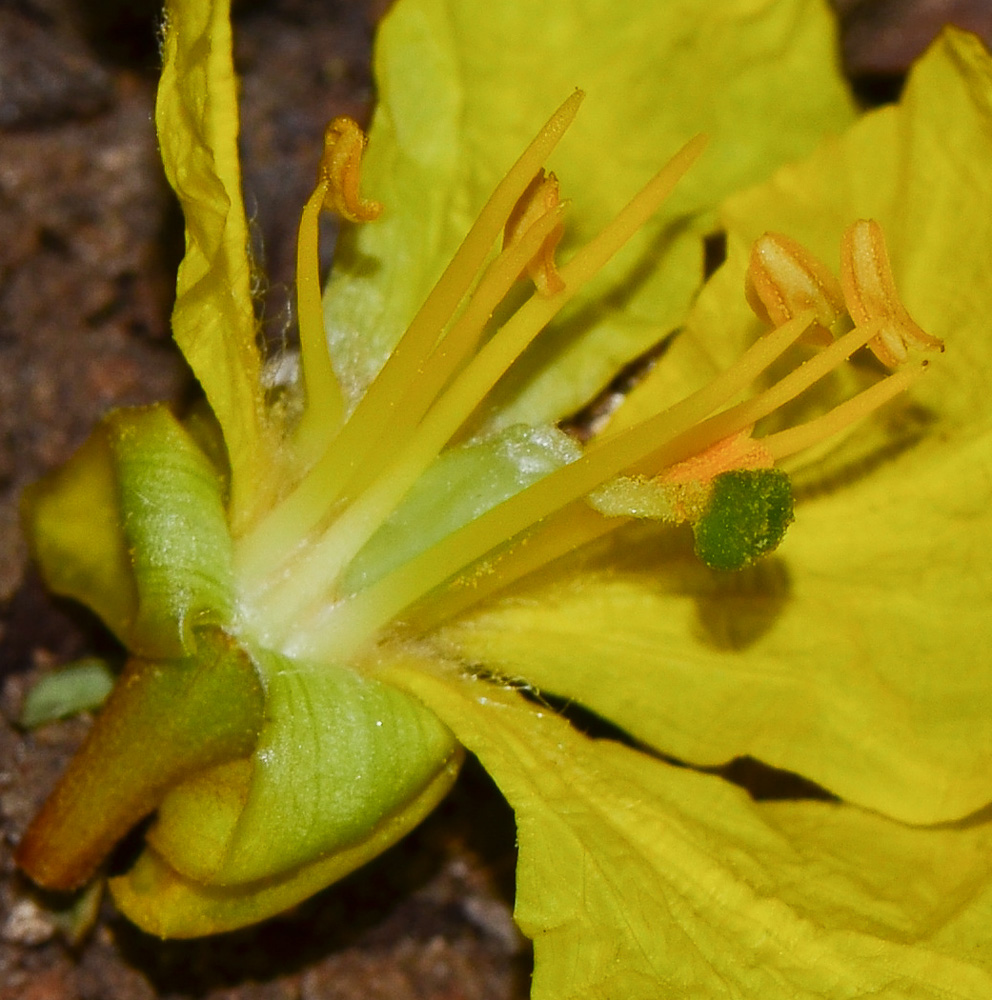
column 310, row 585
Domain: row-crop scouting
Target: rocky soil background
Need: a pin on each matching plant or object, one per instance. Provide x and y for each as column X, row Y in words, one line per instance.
column 89, row 241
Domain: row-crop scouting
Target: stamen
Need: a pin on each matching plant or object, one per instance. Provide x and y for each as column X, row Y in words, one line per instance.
column 359, row 521
column 337, row 189
column 871, row 295
column 288, row 525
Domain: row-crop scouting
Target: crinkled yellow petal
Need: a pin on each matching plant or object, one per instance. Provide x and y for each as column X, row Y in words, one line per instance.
column 858, row 655
column 214, row 321
column 460, row 95
column 640, row 880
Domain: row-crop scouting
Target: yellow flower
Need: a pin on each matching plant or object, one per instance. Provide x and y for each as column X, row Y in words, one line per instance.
column 314, row 579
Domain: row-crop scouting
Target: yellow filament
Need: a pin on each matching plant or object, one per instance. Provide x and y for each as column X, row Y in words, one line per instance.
column 735, row 419
column 291, row 521
column 457, row 344
column 796, row 439
column 358, row 522
column 324, row 405
column 717, row 391
column 564, row 531
column 342, row 629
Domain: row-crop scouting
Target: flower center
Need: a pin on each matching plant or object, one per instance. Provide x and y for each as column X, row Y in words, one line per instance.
column 356, row 469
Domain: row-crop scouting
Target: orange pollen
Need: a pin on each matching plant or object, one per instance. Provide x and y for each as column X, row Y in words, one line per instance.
column 738, row 452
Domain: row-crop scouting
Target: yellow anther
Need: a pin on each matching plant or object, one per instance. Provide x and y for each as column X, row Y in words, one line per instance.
column 340, row 172
column 871, row 296
column 540, row 197
column 784, row 279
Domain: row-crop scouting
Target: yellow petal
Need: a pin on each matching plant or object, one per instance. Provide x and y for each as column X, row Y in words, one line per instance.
column 459, row 97
column 640, row 880
column 858, row 656
column 214, row 320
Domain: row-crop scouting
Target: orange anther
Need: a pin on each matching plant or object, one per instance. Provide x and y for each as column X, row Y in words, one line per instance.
column 540, row 197
column 872, row 299
column 784, row 279
column 340, row 171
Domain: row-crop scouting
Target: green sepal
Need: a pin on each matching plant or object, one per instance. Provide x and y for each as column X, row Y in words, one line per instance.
column 164, row 721
column 746, row 518
column 338, row 752
column 159, row 900
column 174, row 520
column 134, row 527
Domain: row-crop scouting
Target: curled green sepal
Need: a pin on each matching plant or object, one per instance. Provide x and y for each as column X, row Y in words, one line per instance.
column 746, row 518
column 176, row 527
column 134, row 526
column 158, row 899
column 343, row 768
column 164, row 721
